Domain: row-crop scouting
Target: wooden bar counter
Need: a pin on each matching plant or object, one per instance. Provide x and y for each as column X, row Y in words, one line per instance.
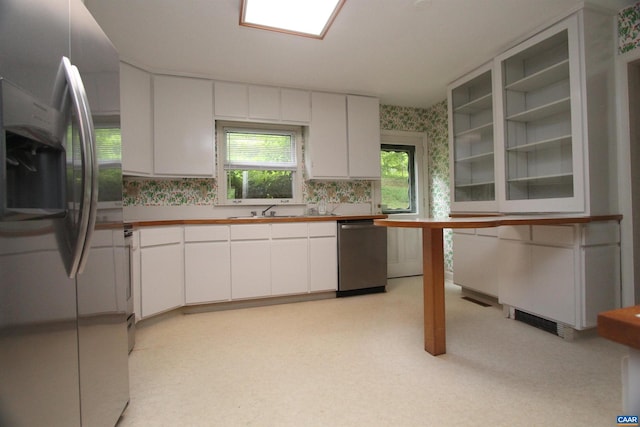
column 433, row 259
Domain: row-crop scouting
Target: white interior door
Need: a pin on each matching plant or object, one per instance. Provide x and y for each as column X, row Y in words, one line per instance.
column 404, row 245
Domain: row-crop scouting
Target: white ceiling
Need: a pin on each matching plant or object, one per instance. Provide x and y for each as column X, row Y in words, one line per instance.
column 404, row 51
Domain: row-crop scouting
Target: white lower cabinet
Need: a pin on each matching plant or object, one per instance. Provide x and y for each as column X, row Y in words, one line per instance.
column 475, row 256
column 323, row 256
column 539, row 280
column 202, row 264
column 283, row 259
column 250, row 261
column 566, row 274
column 207, row 264
column 289, row 269
column 250, row 269
column 289, row 258
column 161, row 269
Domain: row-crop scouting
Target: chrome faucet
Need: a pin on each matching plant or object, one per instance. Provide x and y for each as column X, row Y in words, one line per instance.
column 264, row 212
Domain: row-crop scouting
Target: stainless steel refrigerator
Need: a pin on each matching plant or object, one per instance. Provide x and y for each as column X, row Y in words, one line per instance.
column 64, row 279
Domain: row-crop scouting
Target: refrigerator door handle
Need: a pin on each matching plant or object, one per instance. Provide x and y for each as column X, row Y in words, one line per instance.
column 88, row 206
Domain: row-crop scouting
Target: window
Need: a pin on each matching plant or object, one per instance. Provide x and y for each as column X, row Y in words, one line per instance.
column 109, row 154
column 259, row 164
column 398, row 179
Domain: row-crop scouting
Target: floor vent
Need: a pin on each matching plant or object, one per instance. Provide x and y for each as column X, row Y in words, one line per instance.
column 475, row 301
column 538, row 322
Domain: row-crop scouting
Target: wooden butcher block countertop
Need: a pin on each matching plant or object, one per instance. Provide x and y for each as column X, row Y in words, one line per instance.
column 254, row 220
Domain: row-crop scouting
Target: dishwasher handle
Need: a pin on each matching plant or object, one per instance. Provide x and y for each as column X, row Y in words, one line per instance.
column 357, row 226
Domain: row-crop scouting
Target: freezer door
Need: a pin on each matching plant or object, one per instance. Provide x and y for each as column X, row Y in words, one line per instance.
column 102, row 285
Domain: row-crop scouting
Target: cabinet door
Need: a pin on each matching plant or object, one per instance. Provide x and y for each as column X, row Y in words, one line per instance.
column 264, row 103
column 471, row 256
column 539, row 280
column 471, row 142
column 207, row 272
column 363, row 121
column 323, row 264
column 540, row 110
column 289, row 272
column 136, row 118
column 231, row 100
column 183, row 123
column 327, row 143
column 161, row 278
column 296, row 105
column 250, row 269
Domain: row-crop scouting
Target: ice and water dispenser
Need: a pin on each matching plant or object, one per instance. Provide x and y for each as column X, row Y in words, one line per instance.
column 32, row 171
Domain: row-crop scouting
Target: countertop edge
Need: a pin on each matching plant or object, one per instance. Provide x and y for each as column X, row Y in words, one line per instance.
column 495, row 221
column 621, row 325
column 261, row 220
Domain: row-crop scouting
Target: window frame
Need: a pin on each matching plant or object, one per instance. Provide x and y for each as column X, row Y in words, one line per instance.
column 413, row 188
column 221, row 151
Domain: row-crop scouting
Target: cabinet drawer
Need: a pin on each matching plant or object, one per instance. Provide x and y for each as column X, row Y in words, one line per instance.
column 515, row 232
column 601, row 233
column 464, row 231
column 318, row 229
column 206, row 233
column 553, row 234
column 250, row 232
column 283, row 231
column 489, row 231
column 160, row 236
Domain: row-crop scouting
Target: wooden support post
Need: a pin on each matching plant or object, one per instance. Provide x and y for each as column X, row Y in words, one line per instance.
column 433, row 284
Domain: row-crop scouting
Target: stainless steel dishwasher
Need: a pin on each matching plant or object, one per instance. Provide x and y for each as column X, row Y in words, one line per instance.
column 362, row 257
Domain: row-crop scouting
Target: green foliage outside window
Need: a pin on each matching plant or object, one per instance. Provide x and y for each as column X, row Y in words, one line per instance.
column 259, row 184
column 397, row 185
column 109, row 147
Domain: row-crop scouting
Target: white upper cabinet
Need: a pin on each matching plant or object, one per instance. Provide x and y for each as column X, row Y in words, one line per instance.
column 326, row 146
column 264, row 102
column 555, row 108
column 183, row 123
column 533, row 130
column 343, row 137
column 231, row 100
column 296, row 105
column 471, row 142
column 257, row 103
column 136, row 121
column 363, row 134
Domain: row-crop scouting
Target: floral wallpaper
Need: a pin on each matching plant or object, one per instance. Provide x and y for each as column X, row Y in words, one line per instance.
column 629, row 28
column 337, row 191
column 169, row 192
column 203, row 191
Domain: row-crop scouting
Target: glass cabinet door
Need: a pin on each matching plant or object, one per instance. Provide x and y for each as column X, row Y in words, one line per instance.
column 472, row 143
column 541, row 148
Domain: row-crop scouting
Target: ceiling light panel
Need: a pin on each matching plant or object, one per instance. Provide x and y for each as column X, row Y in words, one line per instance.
column 310, row 18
